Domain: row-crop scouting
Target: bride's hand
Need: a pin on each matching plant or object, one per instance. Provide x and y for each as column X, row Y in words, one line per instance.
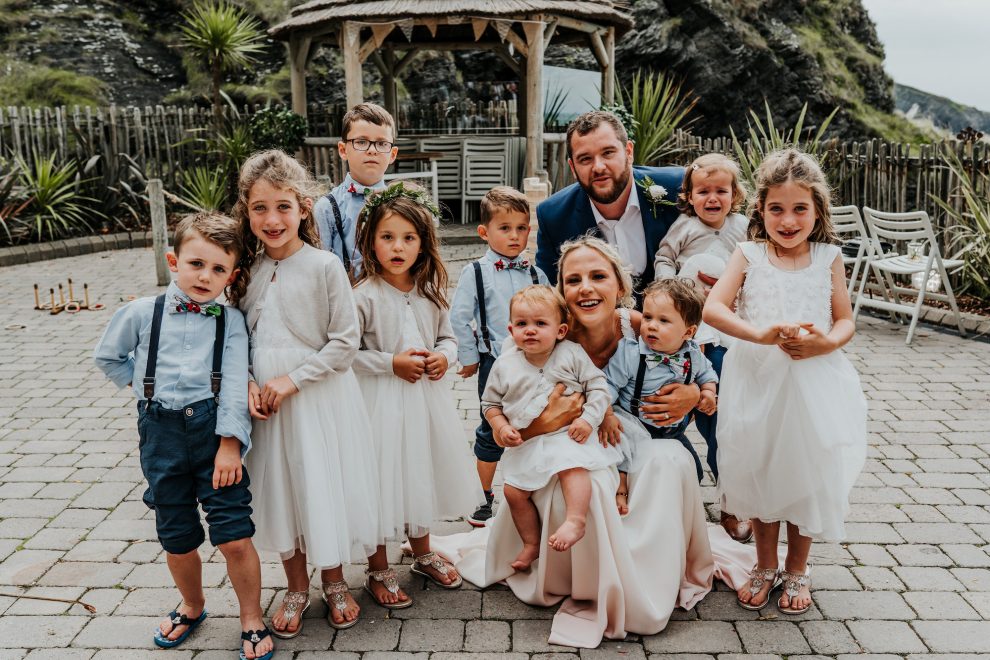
column 671, row 402
column 561, row 410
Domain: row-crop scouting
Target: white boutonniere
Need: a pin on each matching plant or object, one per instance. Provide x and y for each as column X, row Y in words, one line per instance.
column 655, row 193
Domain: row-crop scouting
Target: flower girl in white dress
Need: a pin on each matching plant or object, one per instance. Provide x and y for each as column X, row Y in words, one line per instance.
column 312, row 467
column 792, row 422
column 534, row 359
column 426, row 469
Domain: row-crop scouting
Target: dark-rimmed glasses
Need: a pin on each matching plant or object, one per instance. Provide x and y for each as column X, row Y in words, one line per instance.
column 364, row 144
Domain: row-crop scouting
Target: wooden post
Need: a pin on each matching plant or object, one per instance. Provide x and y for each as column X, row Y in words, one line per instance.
column 388, row 85
column 298, row 56
column 352, row 67
column 534, row 94
column 159, row 230
column 608, row 70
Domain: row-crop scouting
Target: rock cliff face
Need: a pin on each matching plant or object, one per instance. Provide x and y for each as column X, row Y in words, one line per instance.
column 731, row 53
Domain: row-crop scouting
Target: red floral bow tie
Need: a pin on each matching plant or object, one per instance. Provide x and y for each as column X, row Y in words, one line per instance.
column 182, row 306
column 355, row 191
column 522, row 264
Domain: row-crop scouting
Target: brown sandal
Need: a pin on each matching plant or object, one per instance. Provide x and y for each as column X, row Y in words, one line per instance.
column 334, row 597
column 440, row 565
column 294, row 602
column 390, row 579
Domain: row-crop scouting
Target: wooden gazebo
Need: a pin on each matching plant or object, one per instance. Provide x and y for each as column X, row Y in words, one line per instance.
column 392, row 32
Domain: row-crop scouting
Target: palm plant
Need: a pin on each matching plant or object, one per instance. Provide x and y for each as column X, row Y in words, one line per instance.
column 969, row 233
column 659, row 107
column 11, row 203
column 223, row 38
column 764, row 137
column 205, row 188
column 55, row 206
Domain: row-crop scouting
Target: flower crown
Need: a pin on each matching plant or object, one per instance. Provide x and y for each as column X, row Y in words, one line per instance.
column 396, row 190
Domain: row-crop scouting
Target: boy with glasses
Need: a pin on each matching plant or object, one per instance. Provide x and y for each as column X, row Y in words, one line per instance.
column 367, row 145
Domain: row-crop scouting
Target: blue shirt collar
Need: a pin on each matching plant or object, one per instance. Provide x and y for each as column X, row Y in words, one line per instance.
column 173, row 293
column 494, row 256
column 646, row 350
column 349, row 181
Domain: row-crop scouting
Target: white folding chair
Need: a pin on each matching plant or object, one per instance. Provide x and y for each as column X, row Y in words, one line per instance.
column 485, row 166
column 901, row 227
column 847, row 222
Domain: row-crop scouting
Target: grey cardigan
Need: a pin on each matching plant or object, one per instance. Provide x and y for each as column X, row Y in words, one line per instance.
column 316, row 304
column 379, row 308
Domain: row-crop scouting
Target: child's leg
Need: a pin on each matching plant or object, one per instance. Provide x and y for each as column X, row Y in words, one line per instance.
column 486, row 450
column 622, row 494
column 527, row 520
column 297, row 579
column 796, row 562
column 576, row 485
column 244, row 569
column 187, row 573
column 351, row 608
column 766, row 557
column 421, row 546
column 379, row 562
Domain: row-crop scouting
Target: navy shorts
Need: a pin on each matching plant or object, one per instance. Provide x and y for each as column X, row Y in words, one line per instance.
column 178, row 448
column 485, row 447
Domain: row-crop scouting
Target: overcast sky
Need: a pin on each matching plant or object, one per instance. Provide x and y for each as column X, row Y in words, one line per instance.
column 939, row 46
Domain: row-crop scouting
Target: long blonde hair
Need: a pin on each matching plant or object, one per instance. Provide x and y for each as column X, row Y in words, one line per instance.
column 611, row 255
column 285, row 173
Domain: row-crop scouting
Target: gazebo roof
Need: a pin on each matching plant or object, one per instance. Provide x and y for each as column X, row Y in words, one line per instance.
column 319, row 13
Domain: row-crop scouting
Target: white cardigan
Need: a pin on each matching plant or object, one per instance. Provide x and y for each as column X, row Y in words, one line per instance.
column 380, row 314
column 318, row 309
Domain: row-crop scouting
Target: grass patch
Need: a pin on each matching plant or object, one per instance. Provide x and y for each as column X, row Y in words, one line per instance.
column 35, row 85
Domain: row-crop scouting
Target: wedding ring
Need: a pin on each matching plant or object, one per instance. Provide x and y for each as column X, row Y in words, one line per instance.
column 666, row 416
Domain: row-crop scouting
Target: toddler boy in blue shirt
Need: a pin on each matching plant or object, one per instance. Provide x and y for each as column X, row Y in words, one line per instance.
column 186, row 358
column 367, row 144
column 479, row 312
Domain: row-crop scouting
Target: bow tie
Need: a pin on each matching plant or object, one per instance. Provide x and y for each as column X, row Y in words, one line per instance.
column 675, row 362
column 522, row 264
column 355, row 191
column 181, row 306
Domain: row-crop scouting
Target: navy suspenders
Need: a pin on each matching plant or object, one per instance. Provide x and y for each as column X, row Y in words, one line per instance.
column 345, row 257
column 479, row 285
column 156, row 329
column 638, row 391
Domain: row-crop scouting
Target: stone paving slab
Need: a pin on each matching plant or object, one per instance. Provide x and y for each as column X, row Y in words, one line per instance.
column 912, row 581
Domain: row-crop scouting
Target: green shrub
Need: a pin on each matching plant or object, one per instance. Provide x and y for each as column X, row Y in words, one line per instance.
column 36, row 86
column 278, row 129
column 969, row 231
column 56, row 208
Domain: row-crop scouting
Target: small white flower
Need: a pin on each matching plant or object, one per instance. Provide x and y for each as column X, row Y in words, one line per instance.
column 656, row 192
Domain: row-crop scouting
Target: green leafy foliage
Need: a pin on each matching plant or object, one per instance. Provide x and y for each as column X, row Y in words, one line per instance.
column 551, row 109
column 969, row 231
column 765, row 137
column 11, row 204
column 278, row 129
column 55, row 206
column 35, row 86
column 205, row 188
column 659, row 107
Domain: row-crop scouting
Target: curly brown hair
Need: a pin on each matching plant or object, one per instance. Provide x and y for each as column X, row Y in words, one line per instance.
column 427, row 271
column 285, row 173
column 687, row 299
column 785, row 165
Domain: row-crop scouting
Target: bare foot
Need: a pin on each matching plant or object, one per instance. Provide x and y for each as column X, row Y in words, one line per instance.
column 567, row 534
column 350, row 612
column 173, row 632
column 250, row 649
column 622, row 502
column 525, row 558
column 383, row 595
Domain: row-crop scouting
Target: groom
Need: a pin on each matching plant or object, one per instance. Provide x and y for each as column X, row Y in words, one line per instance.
column 610, row 198
column 613, row 200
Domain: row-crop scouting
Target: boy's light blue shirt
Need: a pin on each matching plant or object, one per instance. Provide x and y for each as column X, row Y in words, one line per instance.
column 622, row 367
column 499, row 287
column 350, row 206
column 185, row 359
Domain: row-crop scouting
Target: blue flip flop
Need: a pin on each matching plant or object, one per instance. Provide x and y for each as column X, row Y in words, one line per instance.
column 255, row 637
column 178, row 620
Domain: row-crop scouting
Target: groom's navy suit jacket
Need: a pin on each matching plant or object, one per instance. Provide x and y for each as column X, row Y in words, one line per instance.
column 567, row 214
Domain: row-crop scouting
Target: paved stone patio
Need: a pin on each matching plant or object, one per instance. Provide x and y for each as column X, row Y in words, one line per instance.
column 912, row 581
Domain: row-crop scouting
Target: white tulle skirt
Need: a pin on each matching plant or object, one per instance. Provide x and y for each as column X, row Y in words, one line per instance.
column 531, row 465
column 791, row 437
column 312, row 468
column 425, row 468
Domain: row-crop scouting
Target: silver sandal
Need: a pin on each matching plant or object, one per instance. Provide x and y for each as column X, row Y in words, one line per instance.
column 792, row 587
column 390, row 579
column 294, row 602
column 758, row 577
column 441, row 567
column 334, row 596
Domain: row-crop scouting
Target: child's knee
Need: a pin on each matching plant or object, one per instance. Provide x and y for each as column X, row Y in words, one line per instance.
column 238, row 549
column 515, row 495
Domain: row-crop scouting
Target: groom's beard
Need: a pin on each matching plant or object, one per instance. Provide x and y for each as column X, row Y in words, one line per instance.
column 608, row 196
